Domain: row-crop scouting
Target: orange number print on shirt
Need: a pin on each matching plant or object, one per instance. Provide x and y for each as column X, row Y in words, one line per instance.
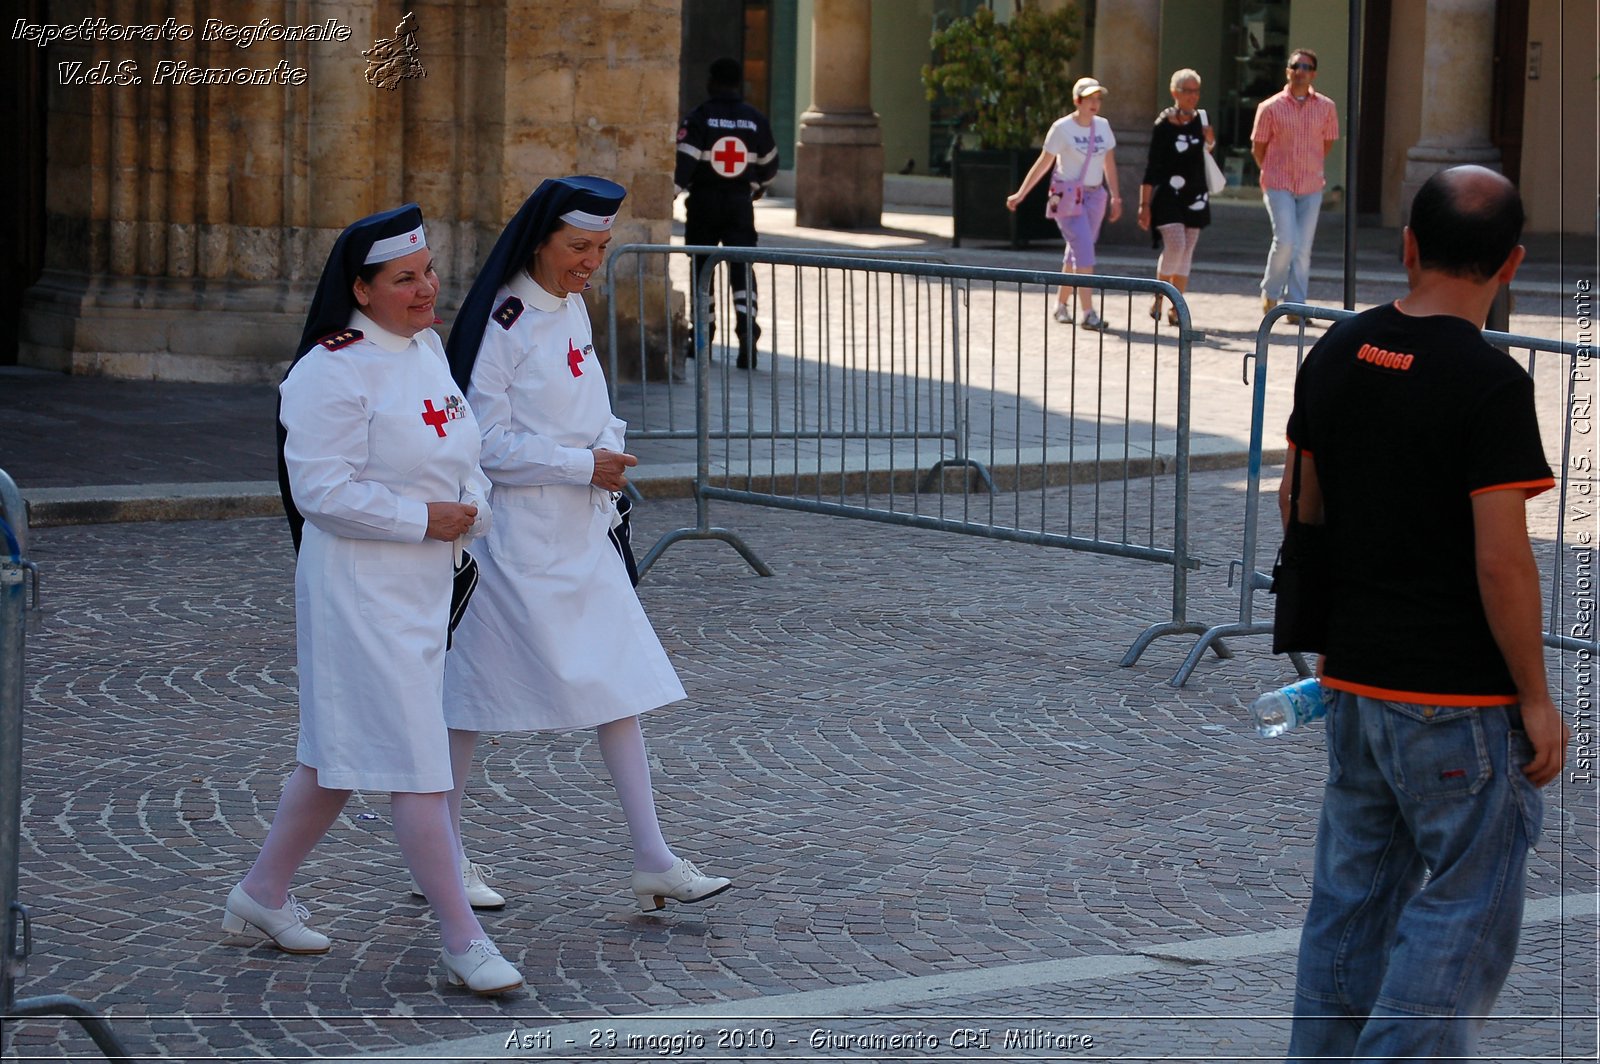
column 1387, row 359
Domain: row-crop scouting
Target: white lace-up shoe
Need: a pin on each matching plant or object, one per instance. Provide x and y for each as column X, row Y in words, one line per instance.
column 1063, row 314
column 474, row 878
column 1094, row 321
column 286, row 927
column 480, row 969
column 682, row 882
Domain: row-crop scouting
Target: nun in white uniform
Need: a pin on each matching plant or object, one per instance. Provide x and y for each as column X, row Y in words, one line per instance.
column 555, row 638
column 378, row 461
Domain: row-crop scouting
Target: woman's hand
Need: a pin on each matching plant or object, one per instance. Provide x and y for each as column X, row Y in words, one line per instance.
column 1144, row 216
column 1012, row 200
column 1116, row 208
column 450, row 521
column 611, row 469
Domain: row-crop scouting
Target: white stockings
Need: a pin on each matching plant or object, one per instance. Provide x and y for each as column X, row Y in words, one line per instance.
column 622, row 748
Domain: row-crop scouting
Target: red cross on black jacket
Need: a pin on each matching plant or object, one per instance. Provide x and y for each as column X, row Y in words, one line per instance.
column 725, row 148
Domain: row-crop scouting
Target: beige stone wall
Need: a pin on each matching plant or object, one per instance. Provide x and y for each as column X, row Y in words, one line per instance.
column 187, row 224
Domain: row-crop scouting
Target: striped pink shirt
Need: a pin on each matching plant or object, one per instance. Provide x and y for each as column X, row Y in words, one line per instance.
column 1294, row 132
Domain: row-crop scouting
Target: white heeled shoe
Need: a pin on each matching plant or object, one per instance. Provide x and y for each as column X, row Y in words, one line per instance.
column 682, row 882
column 481, row 969
column 473, row 878
column 286, row 927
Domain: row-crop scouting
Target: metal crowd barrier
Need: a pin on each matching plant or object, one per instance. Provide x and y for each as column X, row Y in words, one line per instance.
column 1253, row 579
column 944, row 397
column 17, row 574
column 655, row 394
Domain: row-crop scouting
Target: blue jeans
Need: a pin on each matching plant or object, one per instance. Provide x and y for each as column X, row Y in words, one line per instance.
column 1294, row 227
column 1392, row 967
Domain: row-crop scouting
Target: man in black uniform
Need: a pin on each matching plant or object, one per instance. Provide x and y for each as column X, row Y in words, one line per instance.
column 726, row 159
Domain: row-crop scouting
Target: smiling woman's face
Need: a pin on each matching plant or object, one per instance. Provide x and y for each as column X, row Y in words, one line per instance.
column 402, row 296
column 567, row 258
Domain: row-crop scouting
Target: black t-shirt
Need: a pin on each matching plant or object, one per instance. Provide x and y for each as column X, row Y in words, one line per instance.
column 1407, row 418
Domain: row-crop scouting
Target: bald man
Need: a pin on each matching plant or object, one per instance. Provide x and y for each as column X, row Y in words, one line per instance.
column 1419, row 447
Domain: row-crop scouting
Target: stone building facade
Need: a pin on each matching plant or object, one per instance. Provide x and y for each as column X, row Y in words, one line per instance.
column 173, row 227
column 186, row 223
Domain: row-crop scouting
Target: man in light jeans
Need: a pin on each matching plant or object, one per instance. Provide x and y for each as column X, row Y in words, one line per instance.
column 1293, row 132
column 1418, row 448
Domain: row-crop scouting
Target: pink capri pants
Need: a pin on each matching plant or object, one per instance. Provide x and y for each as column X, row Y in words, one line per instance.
column 1081, row 231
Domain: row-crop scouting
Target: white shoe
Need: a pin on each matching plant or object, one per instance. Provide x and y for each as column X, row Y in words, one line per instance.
column 480, row 969
column 1093, row 320
column 682, row 882
column 286, row 927
column 1063, row 314
column 479, row 894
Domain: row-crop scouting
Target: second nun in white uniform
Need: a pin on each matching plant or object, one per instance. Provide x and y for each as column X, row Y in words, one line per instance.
column 555, row 638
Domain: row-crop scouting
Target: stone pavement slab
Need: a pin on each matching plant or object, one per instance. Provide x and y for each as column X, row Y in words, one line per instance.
column 914, row 752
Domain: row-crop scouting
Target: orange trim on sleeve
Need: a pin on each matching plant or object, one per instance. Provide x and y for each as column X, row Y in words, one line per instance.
column 1422, row 698
column 1529, row 487
column 1290, row 440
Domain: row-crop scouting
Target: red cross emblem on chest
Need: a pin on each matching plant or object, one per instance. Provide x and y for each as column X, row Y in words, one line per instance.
column 435, row 418
column 729, row 157
column 574, row 356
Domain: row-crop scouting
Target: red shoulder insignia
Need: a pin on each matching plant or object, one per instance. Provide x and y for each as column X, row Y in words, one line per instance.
column 342, row 338
column 508, row 312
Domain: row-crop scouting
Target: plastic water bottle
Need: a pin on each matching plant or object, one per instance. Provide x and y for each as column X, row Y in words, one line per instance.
column 1289, row 707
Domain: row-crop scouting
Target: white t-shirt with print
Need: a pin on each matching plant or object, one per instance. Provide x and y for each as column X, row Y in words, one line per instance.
column 1069, row 143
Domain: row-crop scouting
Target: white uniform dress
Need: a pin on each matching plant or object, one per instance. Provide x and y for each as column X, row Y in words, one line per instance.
column 377, row 429
column 555, row 638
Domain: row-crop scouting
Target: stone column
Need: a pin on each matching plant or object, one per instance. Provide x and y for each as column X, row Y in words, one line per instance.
column 839, row 159
column 1458, row 68
column 1127, row 45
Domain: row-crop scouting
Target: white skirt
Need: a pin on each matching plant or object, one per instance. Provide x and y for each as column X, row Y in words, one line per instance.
column 555, row 638
column 370, row 622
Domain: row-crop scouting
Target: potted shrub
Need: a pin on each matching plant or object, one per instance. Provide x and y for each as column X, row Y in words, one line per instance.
column 1008, row 81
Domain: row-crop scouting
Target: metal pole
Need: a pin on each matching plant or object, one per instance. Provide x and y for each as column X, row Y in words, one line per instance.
column 1352, row 141
column 13, row 607
column 1180, row 488
column 15, row 571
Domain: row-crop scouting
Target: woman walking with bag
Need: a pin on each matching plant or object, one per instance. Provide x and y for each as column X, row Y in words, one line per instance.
column 1083, row 190
column 1174, row 198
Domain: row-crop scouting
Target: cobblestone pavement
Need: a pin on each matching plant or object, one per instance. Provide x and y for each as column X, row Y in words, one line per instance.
column 944, row 805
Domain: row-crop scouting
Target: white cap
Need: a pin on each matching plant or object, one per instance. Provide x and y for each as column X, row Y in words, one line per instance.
column 600, row 223
column 1086, row 87
column 392, row 247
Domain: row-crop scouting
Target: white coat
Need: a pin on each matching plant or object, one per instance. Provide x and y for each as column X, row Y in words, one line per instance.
column 555, row 638
column 376, row 430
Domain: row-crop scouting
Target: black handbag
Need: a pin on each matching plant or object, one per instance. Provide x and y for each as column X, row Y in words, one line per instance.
column 1300, row 581
column 622, row 538
column 461, row 589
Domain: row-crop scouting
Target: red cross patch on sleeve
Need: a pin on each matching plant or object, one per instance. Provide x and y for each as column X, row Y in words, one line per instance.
column 508, row 312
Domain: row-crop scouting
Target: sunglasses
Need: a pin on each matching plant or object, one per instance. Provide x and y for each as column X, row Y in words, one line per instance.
column 1302, row 66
